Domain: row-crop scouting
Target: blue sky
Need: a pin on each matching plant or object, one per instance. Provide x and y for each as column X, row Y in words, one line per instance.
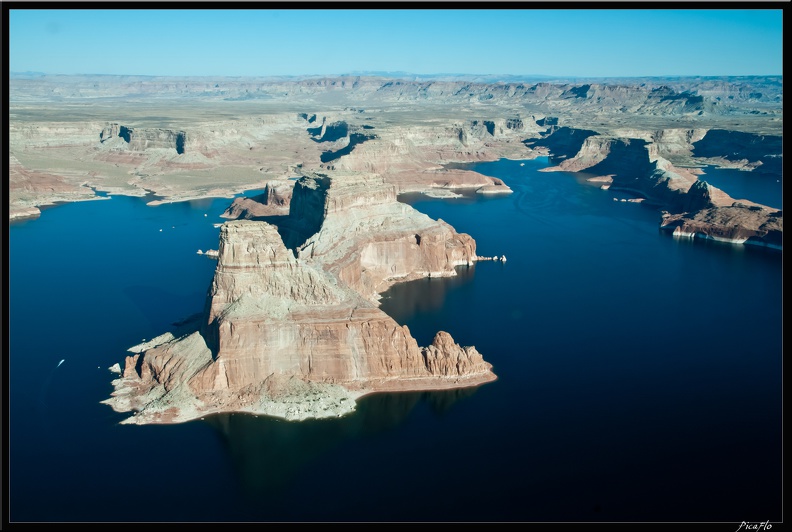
column 232, row 42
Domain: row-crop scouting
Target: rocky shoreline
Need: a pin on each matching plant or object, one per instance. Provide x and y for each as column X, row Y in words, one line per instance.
column 688, row 205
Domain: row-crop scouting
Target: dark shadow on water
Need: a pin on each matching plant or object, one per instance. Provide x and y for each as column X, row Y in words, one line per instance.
column 271, row 454
column 157, row 304
column 423, row 295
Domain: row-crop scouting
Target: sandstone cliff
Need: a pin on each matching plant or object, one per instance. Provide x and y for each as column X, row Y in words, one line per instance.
column 295, row 331
column 274, row 201
column 690, row 206
column 186, row 138
column 738, row 223
column 414, row 157
column 284, row 337
column 353, row 224
column 139, row 139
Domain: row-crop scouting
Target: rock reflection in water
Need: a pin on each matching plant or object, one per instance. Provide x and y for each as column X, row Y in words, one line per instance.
column 269, row 454
column 423, row 295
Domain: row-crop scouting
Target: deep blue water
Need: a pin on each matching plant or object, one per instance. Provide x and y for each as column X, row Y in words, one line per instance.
column 639, row 375
column 760, row 187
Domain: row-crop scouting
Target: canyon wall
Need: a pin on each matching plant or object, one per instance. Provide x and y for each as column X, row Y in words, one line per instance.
column 140, row 139
column 689, row 206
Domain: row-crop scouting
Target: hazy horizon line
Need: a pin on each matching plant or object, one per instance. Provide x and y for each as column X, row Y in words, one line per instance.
column 393, row 74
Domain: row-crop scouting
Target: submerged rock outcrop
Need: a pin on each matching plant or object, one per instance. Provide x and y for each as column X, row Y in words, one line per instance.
column 293, row 336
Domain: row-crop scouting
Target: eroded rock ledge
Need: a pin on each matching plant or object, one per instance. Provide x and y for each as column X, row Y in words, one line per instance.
column 353, row 225
column 293, row 336
column 690, row 207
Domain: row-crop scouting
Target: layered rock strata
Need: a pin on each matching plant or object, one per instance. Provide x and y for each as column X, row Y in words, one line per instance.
column 187, row 138
column 690, row 206
column 738, row 223
column 274, row 201
column 353, row 224
column 28, row 190
column 139, row 139
column 293, row 336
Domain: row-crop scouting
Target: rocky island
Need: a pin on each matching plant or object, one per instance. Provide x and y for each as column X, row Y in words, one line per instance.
column 295, row 332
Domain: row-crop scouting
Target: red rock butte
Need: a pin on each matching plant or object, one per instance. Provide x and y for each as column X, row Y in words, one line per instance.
column 302, row 336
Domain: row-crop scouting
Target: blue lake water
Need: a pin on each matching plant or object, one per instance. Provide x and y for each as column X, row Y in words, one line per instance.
column 639, row 375
column 760, row 187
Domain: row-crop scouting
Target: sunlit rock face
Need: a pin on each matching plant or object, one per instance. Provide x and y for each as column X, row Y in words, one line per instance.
column 690, row 206
column 292, row 336
column 274, row 201
column 737, row 224
column 353, row 225
column 140, row 139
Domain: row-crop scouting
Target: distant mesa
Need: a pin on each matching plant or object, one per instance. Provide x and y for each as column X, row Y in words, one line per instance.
column 337, row 132
column 140, row 139
column 274, row 201
column 547, row 121
column 647, row 135
column 762, row 153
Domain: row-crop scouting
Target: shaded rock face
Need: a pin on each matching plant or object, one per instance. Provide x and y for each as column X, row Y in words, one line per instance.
column 691, row 207
column 698, row 196
column 547, row 121
column 283, row 337
column 354, row 140
column 329, row 132
column 630, row 98
column 355, row 226
column 140, row 139
column 308, row 118
column 562, row 142
column 274, row 201
column 336, row 133
column 746, row 147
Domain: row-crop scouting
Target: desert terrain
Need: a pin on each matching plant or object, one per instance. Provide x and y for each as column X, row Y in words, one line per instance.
column 332, row 155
